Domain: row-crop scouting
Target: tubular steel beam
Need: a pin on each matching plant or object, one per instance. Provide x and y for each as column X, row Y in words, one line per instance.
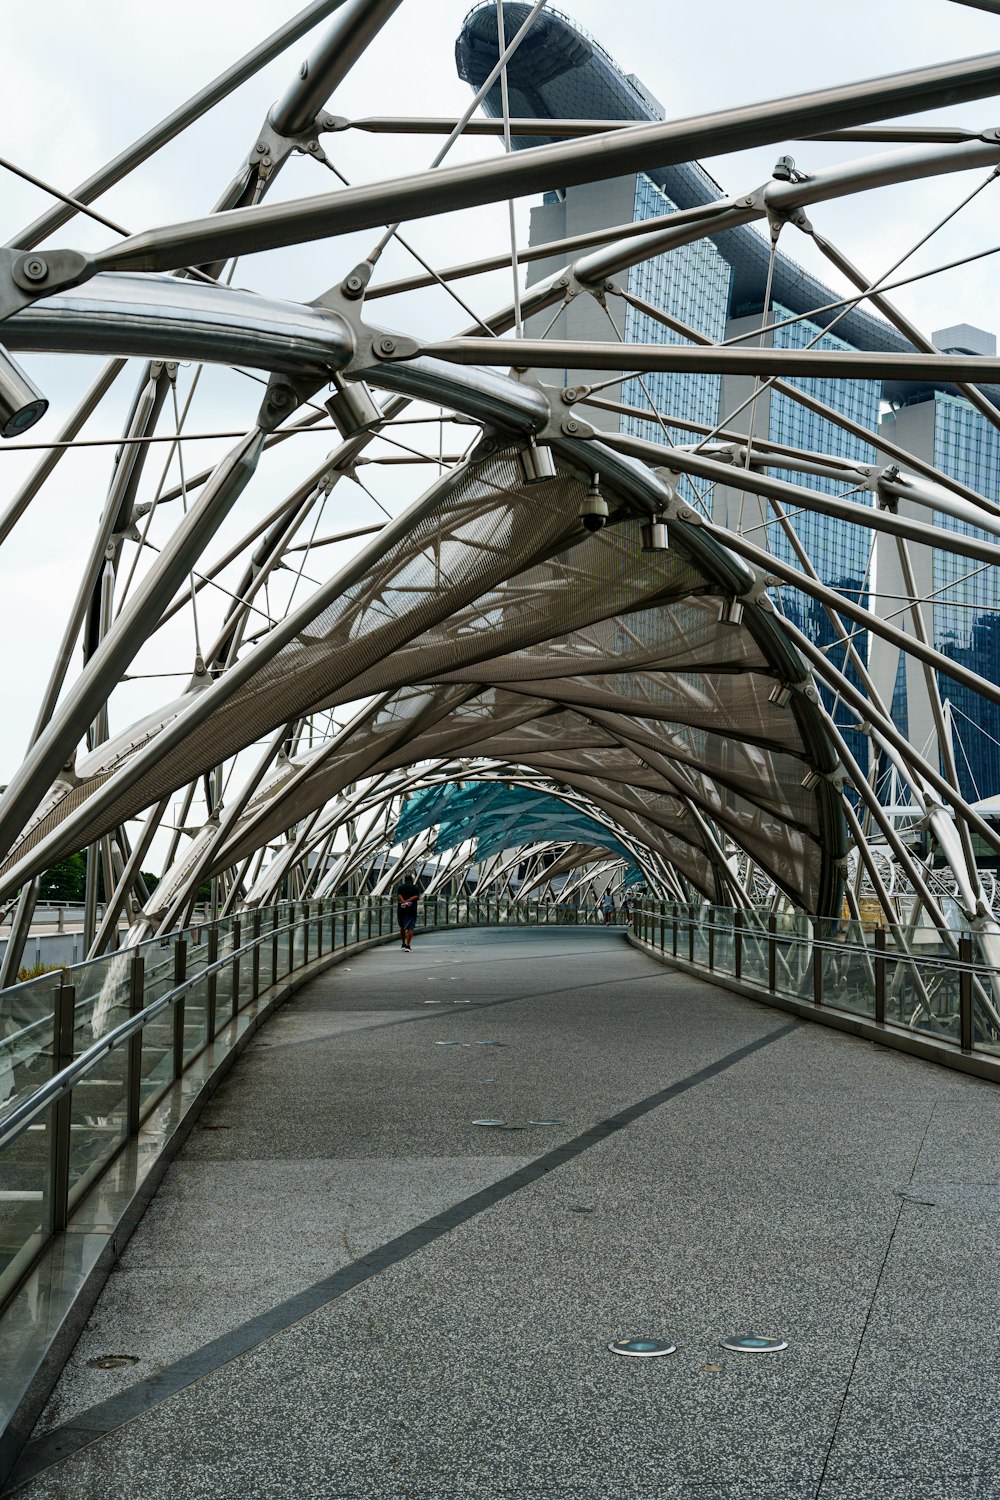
column 357, row 25
column 561, row 354
column 251, row 230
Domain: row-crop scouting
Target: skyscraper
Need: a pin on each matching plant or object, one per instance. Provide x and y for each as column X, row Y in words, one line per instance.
column 719, row 286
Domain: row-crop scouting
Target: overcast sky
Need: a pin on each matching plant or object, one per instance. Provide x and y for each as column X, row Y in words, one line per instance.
column 81, row 81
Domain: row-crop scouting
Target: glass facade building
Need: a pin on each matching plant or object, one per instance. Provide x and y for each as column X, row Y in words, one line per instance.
column 966, row 597
column 694, row 283
column 718, row 286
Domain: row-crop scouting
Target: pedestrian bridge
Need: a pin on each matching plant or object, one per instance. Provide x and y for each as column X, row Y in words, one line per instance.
column 343, row 1285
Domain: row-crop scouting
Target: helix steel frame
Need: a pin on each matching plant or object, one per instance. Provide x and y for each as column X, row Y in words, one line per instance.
column 306, row 805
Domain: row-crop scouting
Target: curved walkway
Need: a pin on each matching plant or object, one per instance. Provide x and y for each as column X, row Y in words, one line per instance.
column 345, row 1288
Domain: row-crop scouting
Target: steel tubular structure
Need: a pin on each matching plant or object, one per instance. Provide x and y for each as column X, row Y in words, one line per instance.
column 563, row 667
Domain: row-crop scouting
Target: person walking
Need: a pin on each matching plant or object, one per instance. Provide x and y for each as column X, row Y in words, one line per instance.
column 407, row 895
column 608, row 908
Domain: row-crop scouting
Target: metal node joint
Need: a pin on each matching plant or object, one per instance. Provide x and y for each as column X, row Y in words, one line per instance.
column 25, row 277
column 273, row 148
column 878, row 482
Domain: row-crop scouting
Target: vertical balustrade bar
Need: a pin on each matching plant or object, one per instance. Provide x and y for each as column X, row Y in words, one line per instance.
column 817, row 957
column 234, row 1003
column 737, row 945
column 274, row 946
column 133, row 1063
column 255, row 956
column 772, row 952
column 690, row 919
column 965, row 992
column 180, row 974
column 61, row 1114
column 213, row 981
column 711, row 945
column 880, row 976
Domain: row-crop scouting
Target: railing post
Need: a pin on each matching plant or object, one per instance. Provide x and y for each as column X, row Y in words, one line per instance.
column 210, row 999
column 255, row 956
column 133, row 1063
column 711, row 946
column 234, row 1003
column 880, row 976
column 64, row 1019
column 368, row 913
column 663, row 924
column 673, row 920
column 690, row 934
column 306, row 912
column 772, row 952
column 737, row 944
column 817, row 970
column 291, row 937
column 274, row 945
column 965, row 992
column 180, row 974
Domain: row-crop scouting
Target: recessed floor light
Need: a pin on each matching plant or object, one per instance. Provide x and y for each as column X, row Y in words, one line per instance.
column 643, row 1348
column 752, row 1343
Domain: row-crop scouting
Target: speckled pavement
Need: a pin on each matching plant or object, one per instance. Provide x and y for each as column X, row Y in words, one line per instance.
column 345, row 1288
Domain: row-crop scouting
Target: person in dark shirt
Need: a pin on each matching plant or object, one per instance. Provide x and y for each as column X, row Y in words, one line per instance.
column 407, row 893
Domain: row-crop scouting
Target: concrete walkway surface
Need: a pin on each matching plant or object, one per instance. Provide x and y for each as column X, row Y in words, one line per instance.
column 346, row 1288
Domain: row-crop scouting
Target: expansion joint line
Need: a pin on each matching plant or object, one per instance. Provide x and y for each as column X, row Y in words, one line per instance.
column 871, row 1308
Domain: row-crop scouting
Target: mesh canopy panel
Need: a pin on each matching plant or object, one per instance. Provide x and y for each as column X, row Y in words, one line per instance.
column 504, row 633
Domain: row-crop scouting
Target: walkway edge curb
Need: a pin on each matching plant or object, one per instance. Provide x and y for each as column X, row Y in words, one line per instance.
column 915, row 1044
column 34, row 1367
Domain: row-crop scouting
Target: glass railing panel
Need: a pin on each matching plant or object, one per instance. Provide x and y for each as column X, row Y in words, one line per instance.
column 724, row 943
column 940, row 1000
column 98, row 1117
column 908, row 1002
column 986, row 1015
column 158, row 968
column 25, row 1211
column 244, row 980
column 755, row 955
column 27, row 1018
column 700, row 919
column 198, row 948
column 223, row 994
column 195, row 1018
column 103, row 987
column 298, row 942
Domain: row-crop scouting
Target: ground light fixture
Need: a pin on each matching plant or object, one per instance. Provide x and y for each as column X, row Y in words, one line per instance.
column 753, row 1343
column 643, row 1348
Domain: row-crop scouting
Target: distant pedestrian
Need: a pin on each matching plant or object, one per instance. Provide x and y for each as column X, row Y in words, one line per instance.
column 407, row 895
column 608, row 908
column 628, row 906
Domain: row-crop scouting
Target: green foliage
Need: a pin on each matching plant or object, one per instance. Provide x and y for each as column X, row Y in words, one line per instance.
column 66, row 881
column 35, row 970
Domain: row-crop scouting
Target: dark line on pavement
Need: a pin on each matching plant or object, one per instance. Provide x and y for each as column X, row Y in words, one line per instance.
column 100, row 1420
